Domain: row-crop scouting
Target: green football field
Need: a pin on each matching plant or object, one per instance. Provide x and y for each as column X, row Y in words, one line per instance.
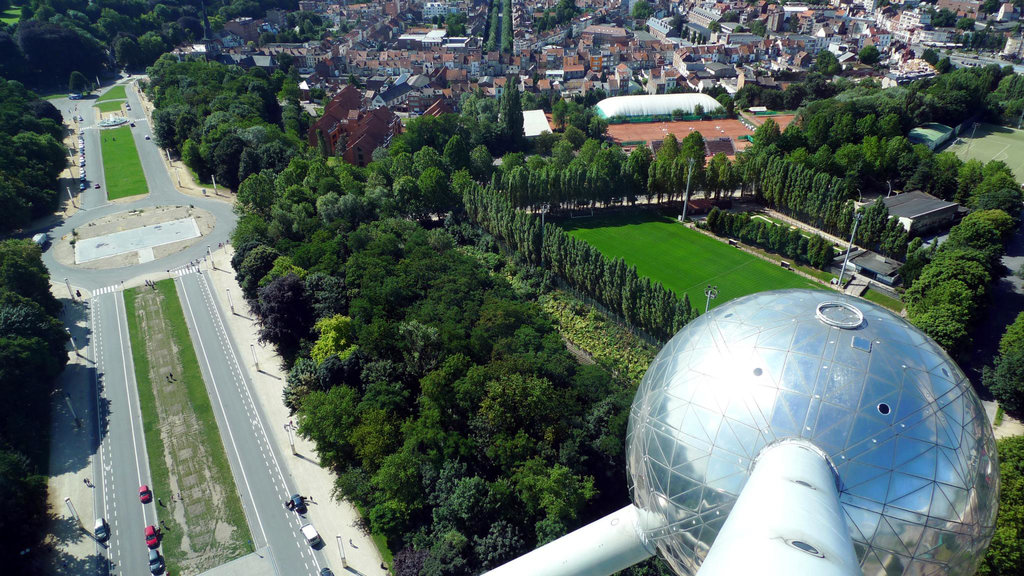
column 121, row 165
column 683, row 260
column 992, row 142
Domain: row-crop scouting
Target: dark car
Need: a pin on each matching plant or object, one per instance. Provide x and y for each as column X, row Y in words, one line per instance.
column 297, row 503
column 325, row 571
column 156, row 562
column 96, row 185
column 81, row 186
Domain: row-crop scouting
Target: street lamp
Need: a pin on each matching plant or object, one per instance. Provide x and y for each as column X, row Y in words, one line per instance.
column 73, row 343
column 70, row 291
column 74, row 513
column 67, row 399
column 686, row 198
column 254, row 360
column 230, row 304
column 711, row 292
column 856, row 221
column 291, row 440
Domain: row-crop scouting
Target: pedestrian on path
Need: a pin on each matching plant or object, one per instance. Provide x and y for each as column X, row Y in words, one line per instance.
column 160, row 502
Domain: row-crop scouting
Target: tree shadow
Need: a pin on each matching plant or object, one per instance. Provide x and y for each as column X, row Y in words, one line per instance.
column 76, row 435
column 65, row 530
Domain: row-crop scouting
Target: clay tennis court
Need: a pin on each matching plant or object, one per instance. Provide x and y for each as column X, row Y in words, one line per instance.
column 651, row 132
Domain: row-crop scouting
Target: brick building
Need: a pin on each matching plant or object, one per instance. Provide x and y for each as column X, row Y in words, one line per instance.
column 350, row 131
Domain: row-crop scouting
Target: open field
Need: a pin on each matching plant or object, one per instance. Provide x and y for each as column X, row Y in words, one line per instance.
column 206, row 526
column 683, row 260
column 115, row 93
column 109, row 106
column 657, row 131
column 121, row 165
column 992, row 142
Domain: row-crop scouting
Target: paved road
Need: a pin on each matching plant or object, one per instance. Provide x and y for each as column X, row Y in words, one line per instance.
column 162, row 193
column 122, row 451
column 262, row 483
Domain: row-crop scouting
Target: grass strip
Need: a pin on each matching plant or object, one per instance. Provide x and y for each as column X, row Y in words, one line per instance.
column 883, row 300
column 198, row 396
column 159, row 475
column 112, row 106
column 11, row 16
column 121, row 165
column 115, row 93
column 199, row 400
column 683, row 260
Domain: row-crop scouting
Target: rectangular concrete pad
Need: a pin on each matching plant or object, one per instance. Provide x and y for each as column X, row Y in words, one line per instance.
column 135, row 239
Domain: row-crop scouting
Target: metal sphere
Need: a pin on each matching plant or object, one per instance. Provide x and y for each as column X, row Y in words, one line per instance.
column 907, row 436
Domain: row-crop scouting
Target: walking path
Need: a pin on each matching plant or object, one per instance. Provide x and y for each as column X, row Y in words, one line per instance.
column 331, row 517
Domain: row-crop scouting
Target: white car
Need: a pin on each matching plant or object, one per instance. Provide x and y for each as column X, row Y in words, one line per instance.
column 311, row 535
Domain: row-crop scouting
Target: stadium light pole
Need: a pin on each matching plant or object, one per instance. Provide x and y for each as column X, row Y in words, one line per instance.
column 711, row 292
column 686, row 198
column 856, row 221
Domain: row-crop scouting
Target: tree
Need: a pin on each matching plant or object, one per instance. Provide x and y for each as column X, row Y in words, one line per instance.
column 1005, row 555
column 285, row 313
column 456, row 153
column 335, row 338
column 77, row 83
column 642, row 10
column 758, row 27
column 511, row 115
column 481, row 163
column 869, row 55
column 930, row 56
column 827, row 63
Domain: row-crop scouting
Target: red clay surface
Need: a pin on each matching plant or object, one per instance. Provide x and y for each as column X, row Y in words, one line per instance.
column 783, row 120
column 656, row 131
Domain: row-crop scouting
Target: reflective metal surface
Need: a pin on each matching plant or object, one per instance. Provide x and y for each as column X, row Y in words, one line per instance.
column 912, row 448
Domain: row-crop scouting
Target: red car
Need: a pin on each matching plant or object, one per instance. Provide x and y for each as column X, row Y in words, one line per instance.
column 152, row 537
column 145, row 496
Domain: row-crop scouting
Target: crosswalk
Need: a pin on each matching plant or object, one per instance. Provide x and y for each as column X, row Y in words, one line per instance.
column 174, row 272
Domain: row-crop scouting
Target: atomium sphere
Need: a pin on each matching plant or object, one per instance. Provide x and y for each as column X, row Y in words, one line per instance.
column 907, row 436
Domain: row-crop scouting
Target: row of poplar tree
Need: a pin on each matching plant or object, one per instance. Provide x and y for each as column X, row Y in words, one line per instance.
column 617, row 286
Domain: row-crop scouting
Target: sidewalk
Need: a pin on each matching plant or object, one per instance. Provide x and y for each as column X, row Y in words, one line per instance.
column 331, row 517
column 73, row 448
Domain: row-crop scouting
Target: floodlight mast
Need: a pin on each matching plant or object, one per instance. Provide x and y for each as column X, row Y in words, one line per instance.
column 787, row 520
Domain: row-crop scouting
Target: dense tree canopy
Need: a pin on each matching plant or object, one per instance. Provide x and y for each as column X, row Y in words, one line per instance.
column 32, row 353
column 31, row 156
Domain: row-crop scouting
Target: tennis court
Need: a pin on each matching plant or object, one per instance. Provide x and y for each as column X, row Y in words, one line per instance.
column 650, row 132
column 990, row 142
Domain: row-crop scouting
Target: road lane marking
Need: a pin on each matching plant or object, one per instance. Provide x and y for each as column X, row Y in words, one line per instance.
column 128, row 390
column 227, row 423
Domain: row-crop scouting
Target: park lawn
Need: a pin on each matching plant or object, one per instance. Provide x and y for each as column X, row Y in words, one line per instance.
column 683, row 260
column 115, row 93
column 156, row 321
column 109, row 106
column 121, row 165
column 883, row 300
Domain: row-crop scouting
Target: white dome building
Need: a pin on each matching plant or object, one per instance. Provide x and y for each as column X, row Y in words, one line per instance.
column 655, row 105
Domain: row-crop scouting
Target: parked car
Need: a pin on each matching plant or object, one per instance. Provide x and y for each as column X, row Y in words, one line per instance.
column 81, row 186
column 96, row 185
column 132, row 124
column 156, row 562
column 102, row 530
column 152, row 537
column 127, row 106
column 41, row 239
column 145, row 496
column 297, row 503
column 147, row 136
column 325, row 571
column 311, row 535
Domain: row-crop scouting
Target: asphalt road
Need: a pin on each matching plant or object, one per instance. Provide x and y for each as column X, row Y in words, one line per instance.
column 262, row 483
column 122, row 464
column 122, row 451
column 161, row 193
